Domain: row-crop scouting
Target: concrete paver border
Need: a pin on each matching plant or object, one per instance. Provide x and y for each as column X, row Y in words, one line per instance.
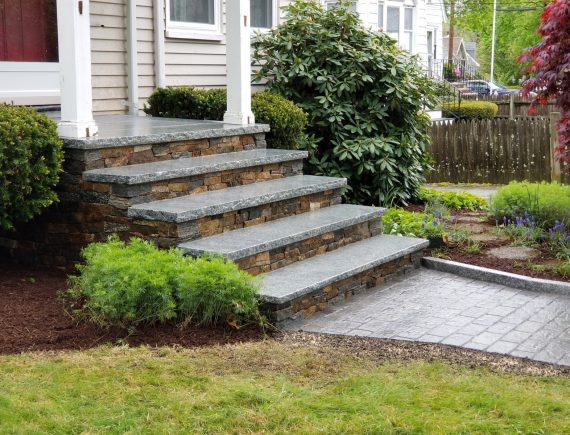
column 520, row 282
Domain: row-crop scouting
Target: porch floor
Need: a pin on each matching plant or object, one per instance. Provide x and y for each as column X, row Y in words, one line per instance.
column 123, row 130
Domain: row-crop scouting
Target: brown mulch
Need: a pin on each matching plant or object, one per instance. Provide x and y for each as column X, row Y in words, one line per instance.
column 546, row 256
column 480, row 259
column 33, row 318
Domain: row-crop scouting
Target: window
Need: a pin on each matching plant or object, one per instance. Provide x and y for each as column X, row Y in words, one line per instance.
column 194, row 19
column 193, row 11
column 330, row 4
column 262, row 13
column 393, row 22
column 408, row 42
column 397, row 21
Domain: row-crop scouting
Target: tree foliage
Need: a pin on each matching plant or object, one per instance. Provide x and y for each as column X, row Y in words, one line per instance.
column 364, row 96
column 549, row 62
column 515, row 31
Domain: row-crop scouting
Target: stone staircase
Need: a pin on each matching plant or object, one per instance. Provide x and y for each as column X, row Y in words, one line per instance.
column 223, row 192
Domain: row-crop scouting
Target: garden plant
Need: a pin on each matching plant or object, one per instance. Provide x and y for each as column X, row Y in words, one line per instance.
column 135, row 283
column 287, row 121
column 31, row 158
column 365, row 98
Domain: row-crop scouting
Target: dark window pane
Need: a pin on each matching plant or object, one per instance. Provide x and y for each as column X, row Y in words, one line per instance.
column 192, row 11
column 28, row 31
column 261, row 13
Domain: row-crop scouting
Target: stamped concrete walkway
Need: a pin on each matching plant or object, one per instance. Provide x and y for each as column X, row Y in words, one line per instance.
column 438, row 307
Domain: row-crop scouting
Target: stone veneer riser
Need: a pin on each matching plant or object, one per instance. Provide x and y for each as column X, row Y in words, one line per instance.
column 345, row 289
column 124, row 196
column 79, row 160
column 167, row 234
column 82, row 216
column 298, row 251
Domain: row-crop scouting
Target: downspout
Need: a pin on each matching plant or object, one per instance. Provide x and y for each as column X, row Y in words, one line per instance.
column 159, row 68
column 132, row 56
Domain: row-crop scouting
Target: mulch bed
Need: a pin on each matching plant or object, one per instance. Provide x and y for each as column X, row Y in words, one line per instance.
column 33, row 318
column 480, row 259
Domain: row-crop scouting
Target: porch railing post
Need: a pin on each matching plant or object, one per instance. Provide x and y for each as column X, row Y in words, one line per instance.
column 238, row 55
column 75, row 69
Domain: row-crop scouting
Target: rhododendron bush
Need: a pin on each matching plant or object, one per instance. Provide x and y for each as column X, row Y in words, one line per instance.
column 549, row 64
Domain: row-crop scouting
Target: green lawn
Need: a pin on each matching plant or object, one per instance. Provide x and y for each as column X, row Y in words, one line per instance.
column 268, row 387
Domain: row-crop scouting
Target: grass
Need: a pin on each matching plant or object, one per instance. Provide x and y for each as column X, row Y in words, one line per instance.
column 268, row 387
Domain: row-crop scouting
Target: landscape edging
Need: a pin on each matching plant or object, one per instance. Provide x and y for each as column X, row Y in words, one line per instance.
column 496, row 276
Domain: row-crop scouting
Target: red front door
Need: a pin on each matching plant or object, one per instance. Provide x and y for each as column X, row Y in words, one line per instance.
column 29, row 68
column 28, row 31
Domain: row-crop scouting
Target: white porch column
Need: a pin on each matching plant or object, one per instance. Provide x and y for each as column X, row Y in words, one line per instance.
column 238, row 60
column 75, row 69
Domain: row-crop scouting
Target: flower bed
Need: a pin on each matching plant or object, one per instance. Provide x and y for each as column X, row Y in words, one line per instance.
column 472, row 232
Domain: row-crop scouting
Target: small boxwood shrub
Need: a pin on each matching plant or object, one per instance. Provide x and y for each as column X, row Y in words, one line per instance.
column 287, row 121
column 470, row 110
column 453, row 200
column 545, row 202
column 129, row 284
column 31, row 156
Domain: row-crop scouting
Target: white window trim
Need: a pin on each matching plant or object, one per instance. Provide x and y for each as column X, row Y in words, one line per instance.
column 401, row 6
column 274, row 19
column 184, row 30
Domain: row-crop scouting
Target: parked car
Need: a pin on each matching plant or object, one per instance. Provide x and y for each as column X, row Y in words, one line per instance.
column 486, row 87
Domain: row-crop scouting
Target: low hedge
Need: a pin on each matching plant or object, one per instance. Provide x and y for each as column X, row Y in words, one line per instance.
column 287, row 121
column 31, row 156
column 135, row 283
column 470, row 110
column 545, row 202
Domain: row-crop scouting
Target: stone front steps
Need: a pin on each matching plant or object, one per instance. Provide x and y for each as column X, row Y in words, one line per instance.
column 211, row 188
column 278, row 243
column 311, row 285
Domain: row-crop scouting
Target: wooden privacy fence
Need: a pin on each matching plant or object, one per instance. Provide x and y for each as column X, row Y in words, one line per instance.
column 492, row 151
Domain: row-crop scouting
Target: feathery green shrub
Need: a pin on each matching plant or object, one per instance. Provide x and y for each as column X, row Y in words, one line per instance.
column 134, row 283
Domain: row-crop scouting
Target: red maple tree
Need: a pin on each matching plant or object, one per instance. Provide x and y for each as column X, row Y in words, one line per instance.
column 549, row 64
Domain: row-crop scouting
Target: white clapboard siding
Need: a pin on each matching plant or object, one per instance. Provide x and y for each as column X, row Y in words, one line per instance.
column 187, row 62
column 108, row 56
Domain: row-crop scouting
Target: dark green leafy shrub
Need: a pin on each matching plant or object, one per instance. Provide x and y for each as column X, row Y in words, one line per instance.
column 453, row 200
column 214, row 290
column 470, row 110
column 287, row 121
column 365, row 99
column 546, row 203
column 187, row 102
column 30, row 162
column 128, row 284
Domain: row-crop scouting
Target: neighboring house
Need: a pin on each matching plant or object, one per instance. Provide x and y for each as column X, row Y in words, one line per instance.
column 415, row 24
column 463, row 52
column 137, row 45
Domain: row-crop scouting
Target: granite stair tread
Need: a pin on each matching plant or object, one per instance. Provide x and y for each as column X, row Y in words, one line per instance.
column 299, row 279
column 186, row 167
column 245, row 242
column 191, row 207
